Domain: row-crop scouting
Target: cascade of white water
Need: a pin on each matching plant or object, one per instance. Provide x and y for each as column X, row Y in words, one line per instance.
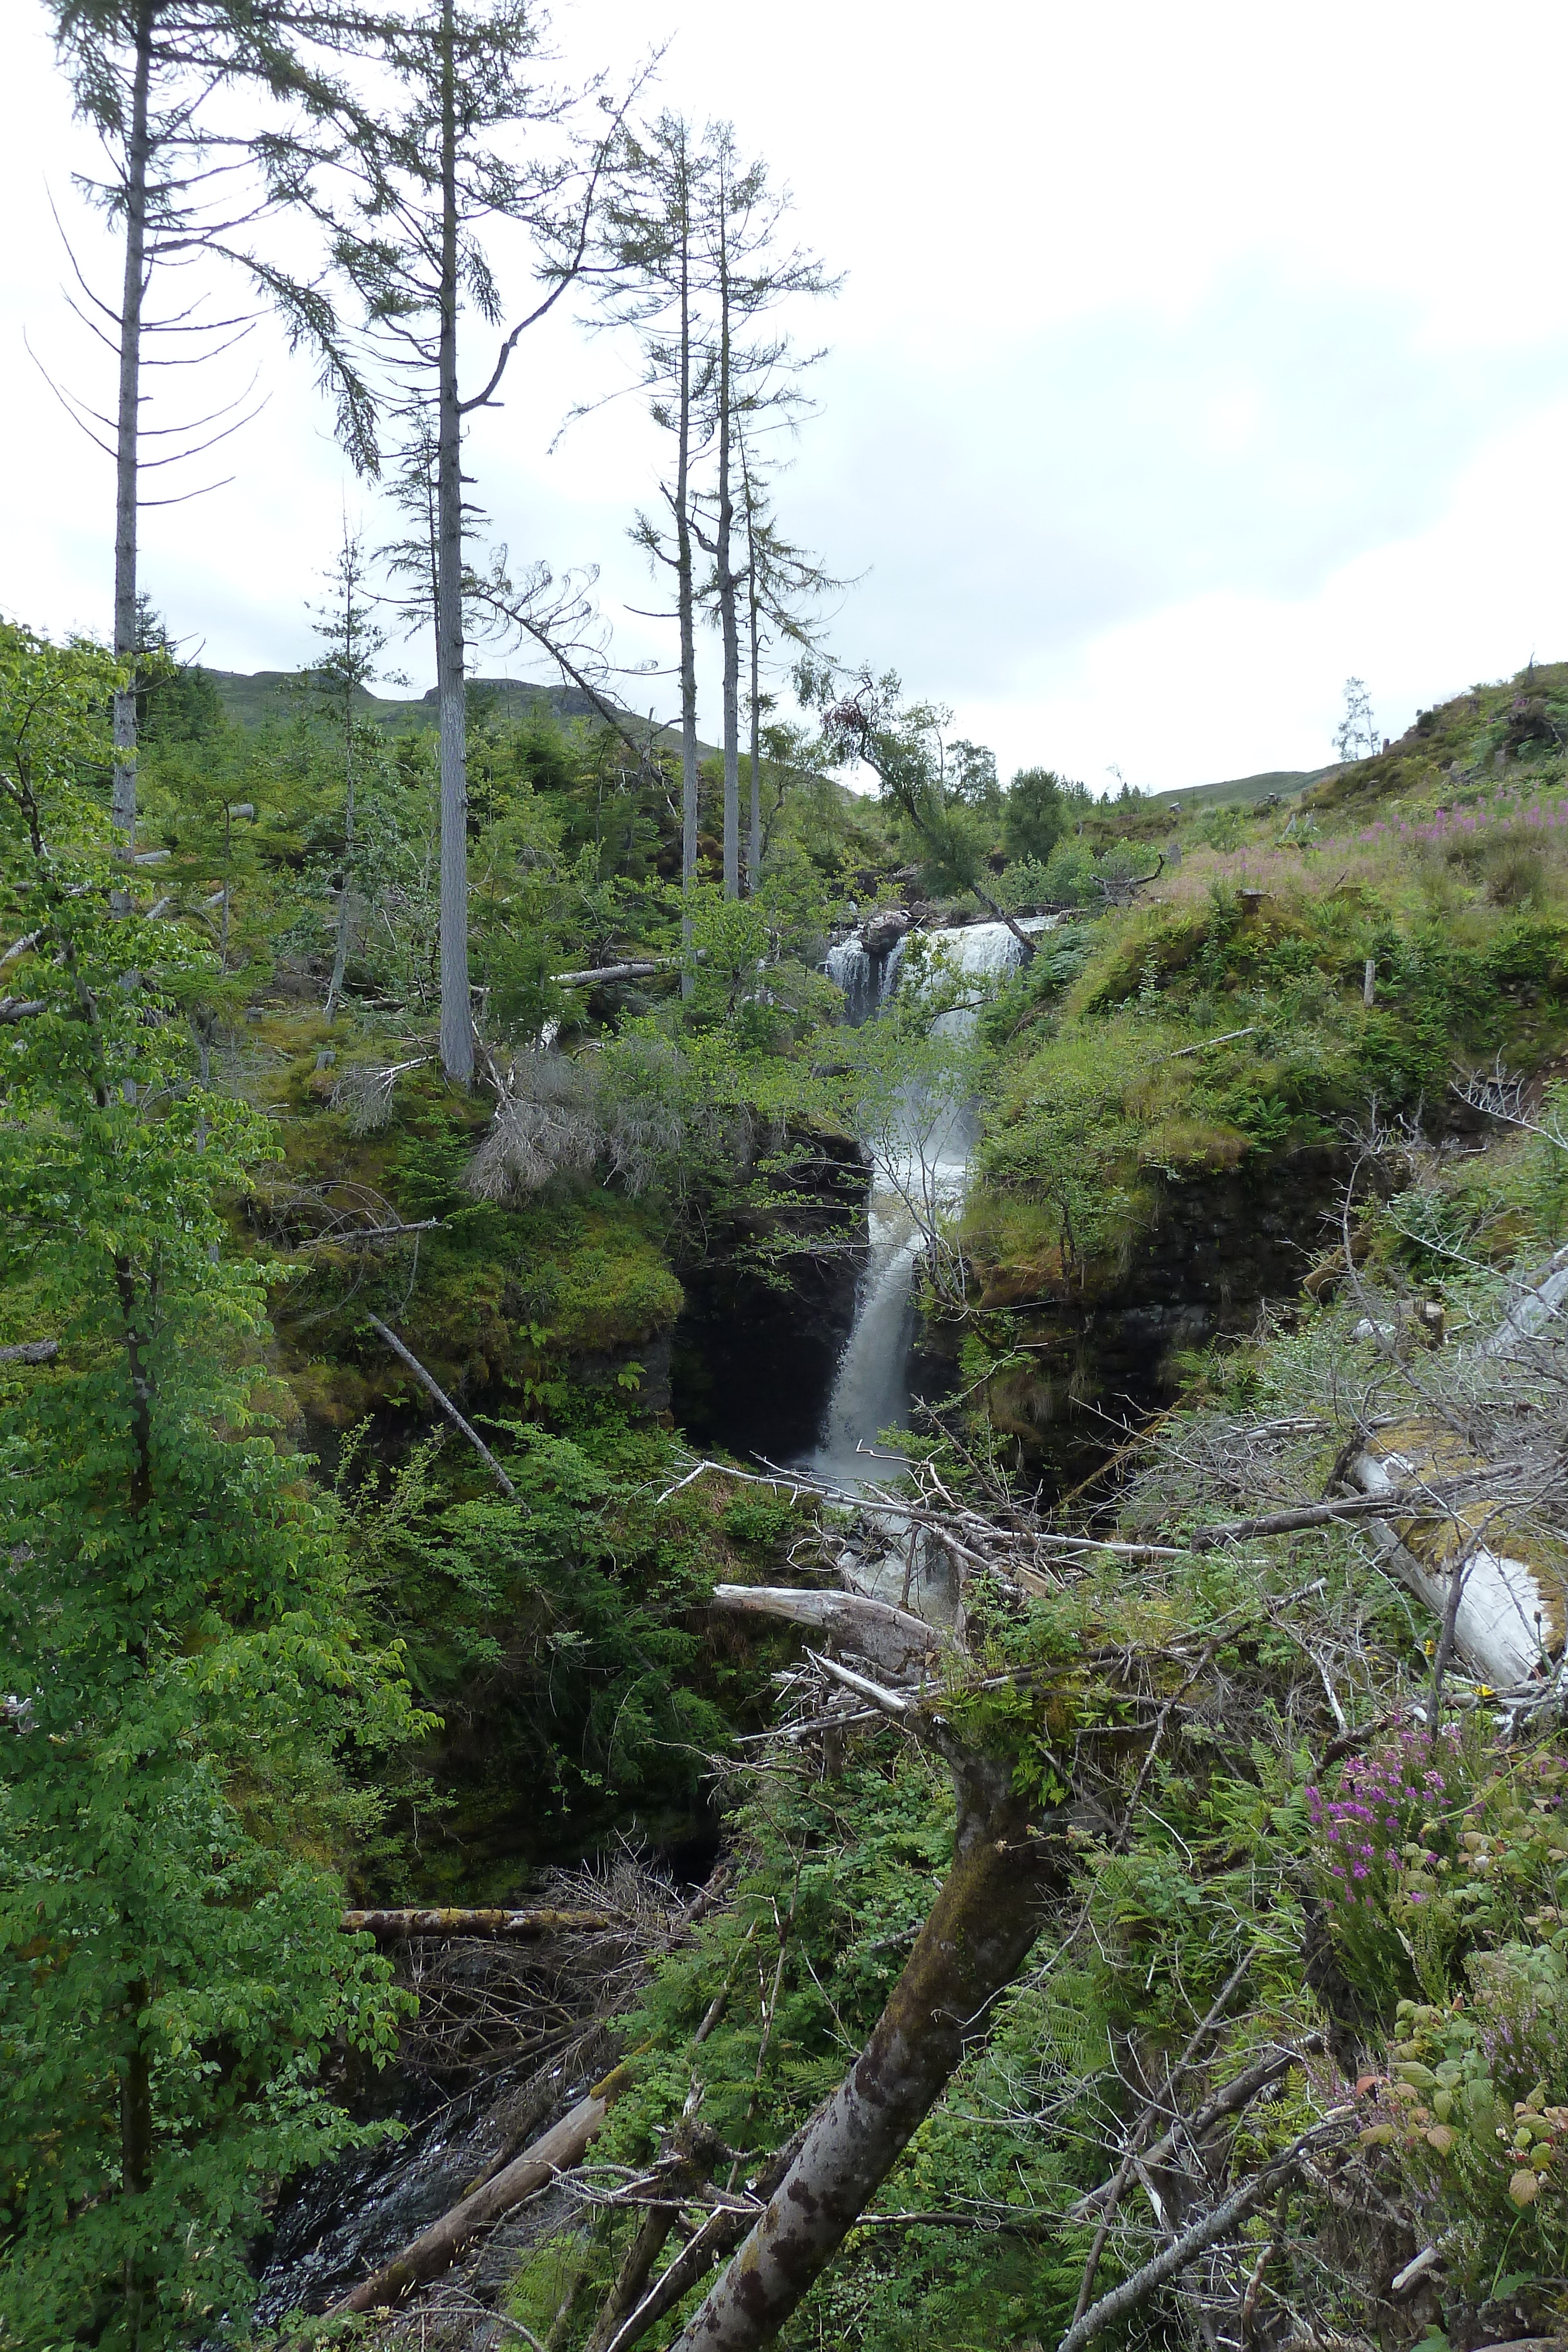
column 923, row 1174
column 865, row 975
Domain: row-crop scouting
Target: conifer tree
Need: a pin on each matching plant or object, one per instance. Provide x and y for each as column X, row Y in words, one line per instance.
column 410, row 236
column 755, row 391
column 179, row 185
column 648, row 263
column 352, row 642
column 181, row 1668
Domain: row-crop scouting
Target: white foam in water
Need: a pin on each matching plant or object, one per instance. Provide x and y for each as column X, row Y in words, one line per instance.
column 925, row 1175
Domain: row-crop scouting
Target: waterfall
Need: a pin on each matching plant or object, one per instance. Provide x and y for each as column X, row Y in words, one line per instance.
column 865, row 974
column 919, row 1172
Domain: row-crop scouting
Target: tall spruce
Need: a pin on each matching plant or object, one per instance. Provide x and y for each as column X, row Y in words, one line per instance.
column 782, row 585
column 755, row 391
column 182, row 1667
column 648, row 264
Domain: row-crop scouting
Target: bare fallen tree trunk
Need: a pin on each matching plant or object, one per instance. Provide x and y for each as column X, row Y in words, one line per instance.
column 597, row 973
column 891, row 1638
column 557, row 2150
column 1511, row 1612
column 390, row 1926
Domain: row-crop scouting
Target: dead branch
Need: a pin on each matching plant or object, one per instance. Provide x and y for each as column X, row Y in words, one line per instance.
column 557, row 2150
column 1229, row 2101
column 31, row 1351
column 890, row 1702
column 1207, row 2230
column 428, row 1383
column 391, row 1925
column 356, row 1237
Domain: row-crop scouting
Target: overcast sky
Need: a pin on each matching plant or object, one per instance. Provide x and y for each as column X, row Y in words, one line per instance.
column 1186, row 362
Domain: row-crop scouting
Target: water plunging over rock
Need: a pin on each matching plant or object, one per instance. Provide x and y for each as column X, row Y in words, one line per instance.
column 920, row 1169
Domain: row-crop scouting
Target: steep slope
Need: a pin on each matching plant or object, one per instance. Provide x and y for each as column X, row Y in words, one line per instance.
column 1175, row 1089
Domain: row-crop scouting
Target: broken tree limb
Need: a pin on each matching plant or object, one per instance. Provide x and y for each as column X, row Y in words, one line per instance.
column 1303, row 1515
column 1207, row 1045
column 31, row 1351
column 596, row 974
column 21, row 1008
column 971, row 1946
column 558, row 2151
column 891, row 1638
column 433, row 1389
column 890, row 1702
column 391, row 1925
column 1205, row 2232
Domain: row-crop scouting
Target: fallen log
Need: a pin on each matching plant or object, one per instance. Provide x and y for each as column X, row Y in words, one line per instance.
column 597, row 974
column 31, row 1351
column 557, row 2150
column 393, row 1926
column 1513, row 1605
column 891, row 1638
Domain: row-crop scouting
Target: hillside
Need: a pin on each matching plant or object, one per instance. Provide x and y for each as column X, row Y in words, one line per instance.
column 1176, row 1083
column 979, row 1764
column 258, row 698
column 1282, row 783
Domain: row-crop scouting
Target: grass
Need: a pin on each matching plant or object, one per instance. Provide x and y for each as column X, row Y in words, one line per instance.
column 1221, row 1024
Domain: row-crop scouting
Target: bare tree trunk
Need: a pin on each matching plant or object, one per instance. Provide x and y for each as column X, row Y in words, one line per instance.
column 456, row 1016
column 684, row 582
column 127, row 439
column 346, row 896
column 754, row 857
column 136, row 2157
column 972, row 1946
column 726, row 579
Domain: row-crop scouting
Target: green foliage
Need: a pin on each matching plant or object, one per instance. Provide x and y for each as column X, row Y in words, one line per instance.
column 186, row 1669
column 567, row 1644
column 1036, row 813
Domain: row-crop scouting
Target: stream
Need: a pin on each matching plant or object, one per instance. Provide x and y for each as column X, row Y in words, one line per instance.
column 350, row 2217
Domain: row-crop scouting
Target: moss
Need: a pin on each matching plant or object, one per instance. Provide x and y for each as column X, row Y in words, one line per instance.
column 496, row 1302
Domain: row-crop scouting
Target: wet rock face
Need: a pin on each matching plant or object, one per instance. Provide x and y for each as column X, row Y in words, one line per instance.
column 1218, row 1248
column 754, row 1353
column 882, row 930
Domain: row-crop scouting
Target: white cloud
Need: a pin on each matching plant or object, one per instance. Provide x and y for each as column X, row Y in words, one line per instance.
column 1187, row 361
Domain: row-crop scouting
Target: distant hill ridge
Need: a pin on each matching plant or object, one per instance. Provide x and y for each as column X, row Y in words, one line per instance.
column 251, row 697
